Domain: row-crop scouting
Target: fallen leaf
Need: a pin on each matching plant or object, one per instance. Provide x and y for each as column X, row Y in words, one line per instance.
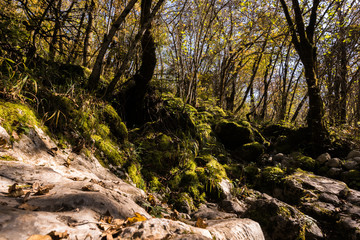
column 14, row 191
column 201, row 223
column 118, row 222
column 138, row 218
column 39, row 237
column 15, row 135
column 89, row 188
column 42, row 190
column 67, row 162
column 26, row 206
column 58, row 235
column 106, row 218
column 151, row 200
column 26, row 198
column 3, row 142
column 35, row 186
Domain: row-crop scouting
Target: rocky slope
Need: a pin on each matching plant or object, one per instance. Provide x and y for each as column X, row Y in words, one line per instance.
column 191, row 174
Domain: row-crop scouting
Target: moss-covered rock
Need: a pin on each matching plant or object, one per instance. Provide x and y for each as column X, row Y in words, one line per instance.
column 251, row 151
column 135, row 176
column 117, row 127
column 17, row 117
column 273, row 175
column 233, row 135
column 298, row 160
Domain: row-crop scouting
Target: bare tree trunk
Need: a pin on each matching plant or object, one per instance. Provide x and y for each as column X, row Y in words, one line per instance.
column 96, row 72
column 88, row 33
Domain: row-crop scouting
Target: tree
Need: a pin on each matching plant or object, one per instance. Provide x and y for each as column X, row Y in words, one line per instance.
column 303, row 41
column 94, row 78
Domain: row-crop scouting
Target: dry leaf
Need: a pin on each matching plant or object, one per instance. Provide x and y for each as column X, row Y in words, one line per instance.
column 42, row 190
column 89, row 188
column 35, row 186
column 106, row 218
column 3, row 142
column 201, row 223
column 26, row 206
column 26, row 198
column 151, row 200
column 15, row 135
column 58, row 235
column 138, row 218
column 118, row 222
column 67, row 162
column 14, row 191
column 39, row 237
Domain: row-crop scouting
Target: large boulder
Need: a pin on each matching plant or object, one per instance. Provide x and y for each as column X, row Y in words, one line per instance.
column 232, row 134
column 280, row 220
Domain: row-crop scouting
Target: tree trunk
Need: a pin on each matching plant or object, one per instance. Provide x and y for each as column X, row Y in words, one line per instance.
column 94, row 78
column 88, row 32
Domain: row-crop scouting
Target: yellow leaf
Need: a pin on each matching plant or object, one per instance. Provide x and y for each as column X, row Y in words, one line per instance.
column 200, row 223
column 39, row 237
column 138, row 218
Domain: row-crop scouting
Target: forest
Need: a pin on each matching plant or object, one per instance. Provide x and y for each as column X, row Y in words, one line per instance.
column 192, row 103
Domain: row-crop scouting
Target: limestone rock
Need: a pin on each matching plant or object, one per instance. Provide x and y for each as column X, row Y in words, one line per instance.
column 323, row 158
column 353, row 154
column 333, row 163
column 236, row 229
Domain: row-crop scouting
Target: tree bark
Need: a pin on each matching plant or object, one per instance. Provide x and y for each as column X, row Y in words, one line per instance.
column 94, row 78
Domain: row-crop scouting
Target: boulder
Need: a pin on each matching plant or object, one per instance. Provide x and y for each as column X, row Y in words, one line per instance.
column 333, row 163
column 235, row 229
column 323, row 158
column 280, row 220
column 353, row 154
column 233, row 135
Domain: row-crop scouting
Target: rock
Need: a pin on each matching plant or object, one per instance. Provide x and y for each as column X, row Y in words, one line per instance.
column 235, row 229
column 156, row 228
column 334, row 172
column 330, row 198
column 353, row 154
column 232, row 134
column 205, row 212
column 4, row 135
column 279, row 157
column 333, row 163
column 280, row 220
column 225, row 187
column 348, row 228
column 323, row 158
column 356, row 159
column 233, row 206
column 251, row 151
column 350, row 165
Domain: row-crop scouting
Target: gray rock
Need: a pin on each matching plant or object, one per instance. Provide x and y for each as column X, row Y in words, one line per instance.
column 235, row 229
column 334, row 172
column 349, row 227
column 350, row 165
column 353, row 153
column 330, row 198
column 354, row 197
column 4, row 135
column 356, row 159
column 225, row 187
column 233, row 206
column 157, row 228
column 333, row 163
column 279, row 157
column 323, row 158
column 211, row 213
column 280, row 220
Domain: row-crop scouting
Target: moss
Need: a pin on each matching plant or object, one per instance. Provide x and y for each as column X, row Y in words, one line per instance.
column 215, row 169
column 116, row 125
column 155, row 185
column 8, row 158
column 273, row 175
column 136, row 177
column 17, row 117
column 164, row 142
column 232, row 134
column 302, row 161
column 251, row 151
column 110, row 151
